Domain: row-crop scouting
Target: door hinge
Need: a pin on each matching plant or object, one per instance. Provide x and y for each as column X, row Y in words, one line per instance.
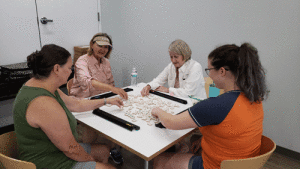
column 98, row 17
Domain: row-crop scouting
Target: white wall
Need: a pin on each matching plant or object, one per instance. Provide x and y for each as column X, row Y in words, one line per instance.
column 19, row 34
column 143, row 30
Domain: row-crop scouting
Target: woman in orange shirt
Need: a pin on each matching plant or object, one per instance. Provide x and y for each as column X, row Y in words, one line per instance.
column 231, row 124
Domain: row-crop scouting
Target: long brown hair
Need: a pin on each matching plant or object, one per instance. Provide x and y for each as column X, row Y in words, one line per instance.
column 245, row 65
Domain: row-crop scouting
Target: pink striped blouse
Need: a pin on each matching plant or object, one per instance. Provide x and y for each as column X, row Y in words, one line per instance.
column 88, row 68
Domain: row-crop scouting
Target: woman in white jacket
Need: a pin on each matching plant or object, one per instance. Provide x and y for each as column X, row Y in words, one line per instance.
column 183, row 74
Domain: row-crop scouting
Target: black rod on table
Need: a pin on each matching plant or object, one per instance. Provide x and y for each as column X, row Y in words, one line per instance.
column 118, row 121
column 169, row 97
column 107, row 95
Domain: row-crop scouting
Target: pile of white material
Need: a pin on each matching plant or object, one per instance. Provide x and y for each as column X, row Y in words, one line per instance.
column 138, row 107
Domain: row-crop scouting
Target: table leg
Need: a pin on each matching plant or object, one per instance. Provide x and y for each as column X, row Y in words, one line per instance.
column 146, row 164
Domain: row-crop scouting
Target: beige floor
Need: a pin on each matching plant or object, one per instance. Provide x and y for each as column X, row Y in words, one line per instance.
column 276, row 161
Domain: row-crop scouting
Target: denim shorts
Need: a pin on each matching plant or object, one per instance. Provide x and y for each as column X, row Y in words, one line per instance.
column 86, row 164
column 196, row 162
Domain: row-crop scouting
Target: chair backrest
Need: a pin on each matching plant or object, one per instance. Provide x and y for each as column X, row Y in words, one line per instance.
column 209, row 81
column 268, row 146
column 9, row 153
column 69, row 85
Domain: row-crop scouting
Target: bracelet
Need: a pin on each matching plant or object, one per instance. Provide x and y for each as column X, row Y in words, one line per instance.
column 104, row 101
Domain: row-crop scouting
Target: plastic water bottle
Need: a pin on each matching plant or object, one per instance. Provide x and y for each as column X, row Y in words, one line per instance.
column 134, row 77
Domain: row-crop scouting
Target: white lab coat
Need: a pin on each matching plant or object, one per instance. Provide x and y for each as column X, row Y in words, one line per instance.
column 191, row 81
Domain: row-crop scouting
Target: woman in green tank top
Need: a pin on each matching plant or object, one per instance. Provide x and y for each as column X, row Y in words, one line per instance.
column 44, row 124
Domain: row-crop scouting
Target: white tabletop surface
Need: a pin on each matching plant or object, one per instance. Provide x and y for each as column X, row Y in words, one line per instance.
column 146, row 142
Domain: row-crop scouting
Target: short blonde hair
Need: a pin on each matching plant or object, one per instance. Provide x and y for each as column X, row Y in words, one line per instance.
column 90, row 51
column 180, row 47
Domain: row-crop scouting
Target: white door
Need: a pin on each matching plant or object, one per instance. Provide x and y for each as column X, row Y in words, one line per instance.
column 74, row 22
column 19, row 35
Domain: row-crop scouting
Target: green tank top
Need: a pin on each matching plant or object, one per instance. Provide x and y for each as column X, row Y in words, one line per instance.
column 34, row 145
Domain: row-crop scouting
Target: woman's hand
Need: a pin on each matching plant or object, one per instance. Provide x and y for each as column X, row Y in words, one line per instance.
column 162, row 89
column 145, row 90
column 115, row 101
column 156, row 112
column 120, row 92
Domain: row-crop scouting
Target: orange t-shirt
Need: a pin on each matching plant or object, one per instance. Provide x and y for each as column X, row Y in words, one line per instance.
column 231, row 127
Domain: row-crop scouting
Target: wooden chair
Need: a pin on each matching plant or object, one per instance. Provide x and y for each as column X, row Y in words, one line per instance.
column 69, row 85
column 9, row 153
column 209, row 81
column 268, row 146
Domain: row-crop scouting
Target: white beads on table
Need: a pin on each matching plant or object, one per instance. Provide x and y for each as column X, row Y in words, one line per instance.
column 140, row 116
column 138, row 107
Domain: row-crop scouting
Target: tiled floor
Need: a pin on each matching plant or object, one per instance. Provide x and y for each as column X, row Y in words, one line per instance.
column 279, row 161
column 276, row 161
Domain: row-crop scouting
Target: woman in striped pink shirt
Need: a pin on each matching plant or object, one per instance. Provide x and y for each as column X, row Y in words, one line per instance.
column 93, row 71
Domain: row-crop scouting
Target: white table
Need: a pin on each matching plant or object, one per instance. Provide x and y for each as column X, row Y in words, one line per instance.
column 148, row 142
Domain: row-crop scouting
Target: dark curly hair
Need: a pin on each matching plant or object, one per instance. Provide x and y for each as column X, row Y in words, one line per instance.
column 245, row 65
column 42, row 62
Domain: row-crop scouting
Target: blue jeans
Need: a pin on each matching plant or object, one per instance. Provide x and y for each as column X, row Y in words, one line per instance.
column 196, row 162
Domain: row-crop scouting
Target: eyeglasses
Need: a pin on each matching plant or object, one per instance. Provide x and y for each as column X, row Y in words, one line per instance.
column 207, row 70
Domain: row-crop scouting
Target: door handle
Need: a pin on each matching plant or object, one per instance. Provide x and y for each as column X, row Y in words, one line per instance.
column 44, row 20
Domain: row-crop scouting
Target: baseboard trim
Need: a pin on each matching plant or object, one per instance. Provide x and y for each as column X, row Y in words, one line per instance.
column 287, row 152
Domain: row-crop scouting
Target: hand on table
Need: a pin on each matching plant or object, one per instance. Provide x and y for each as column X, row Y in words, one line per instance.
column 162, row 89
column 156, row 111
column 145, row 90
column 115, row 101
column 120, row 92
